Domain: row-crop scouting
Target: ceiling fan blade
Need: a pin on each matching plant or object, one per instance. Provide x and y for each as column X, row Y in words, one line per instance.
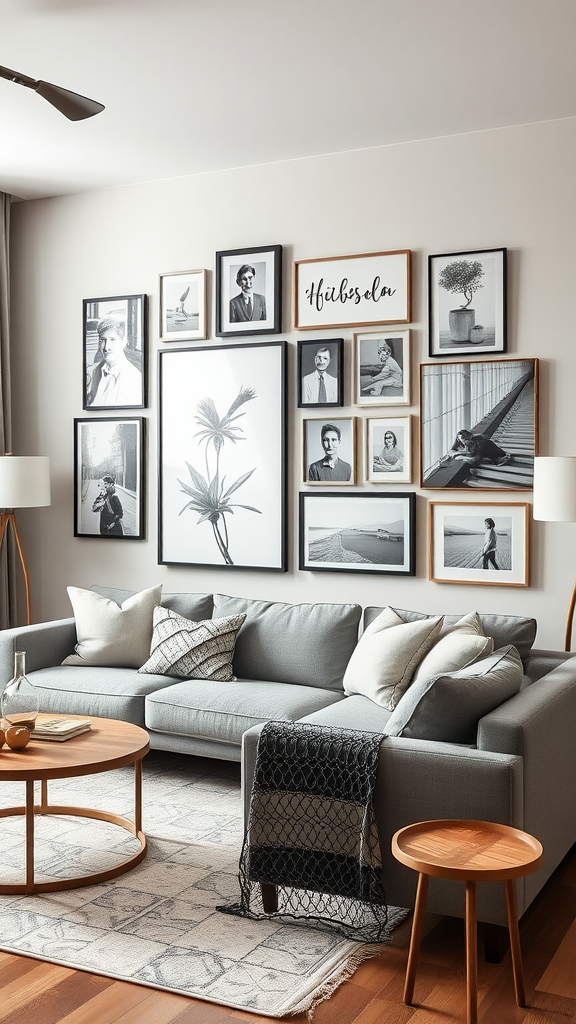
column 74, row 106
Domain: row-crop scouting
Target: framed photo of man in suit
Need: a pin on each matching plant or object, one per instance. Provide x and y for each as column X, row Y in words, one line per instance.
column 249, row 291
column 320, row 373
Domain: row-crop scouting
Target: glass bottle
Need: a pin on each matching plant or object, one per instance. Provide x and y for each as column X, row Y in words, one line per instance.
column 19, row 698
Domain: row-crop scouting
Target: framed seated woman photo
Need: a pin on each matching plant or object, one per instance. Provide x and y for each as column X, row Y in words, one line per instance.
column 382, row 368
column 388, row 450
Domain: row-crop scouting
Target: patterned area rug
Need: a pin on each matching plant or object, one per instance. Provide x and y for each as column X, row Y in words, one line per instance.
column 157, row 924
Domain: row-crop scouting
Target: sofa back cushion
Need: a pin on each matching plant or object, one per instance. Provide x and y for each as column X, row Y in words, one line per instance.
column 504, row 629
column 191, row 606
column 308, row 644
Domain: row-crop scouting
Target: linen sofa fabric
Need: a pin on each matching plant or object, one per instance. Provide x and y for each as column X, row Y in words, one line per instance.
column 115, row 693
column 185, row 649
column 448, row 707
column 387, row 656
column 306, row 644
column 457, row 646
column 192, row 606
column 109, row 635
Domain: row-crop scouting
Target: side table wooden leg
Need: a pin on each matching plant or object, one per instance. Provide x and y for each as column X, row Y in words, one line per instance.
column 471, row 954
column 29, row 835
column 417, row 926
column 515, row 948
column 138, row 796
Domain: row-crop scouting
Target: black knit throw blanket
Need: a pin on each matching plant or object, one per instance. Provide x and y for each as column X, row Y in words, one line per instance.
column 312, row 831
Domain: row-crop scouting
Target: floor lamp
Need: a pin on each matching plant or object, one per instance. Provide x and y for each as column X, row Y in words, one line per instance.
column 24, row 483
column 555, row 502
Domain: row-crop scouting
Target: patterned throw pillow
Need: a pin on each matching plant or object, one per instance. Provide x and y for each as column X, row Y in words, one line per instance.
column 187, row 650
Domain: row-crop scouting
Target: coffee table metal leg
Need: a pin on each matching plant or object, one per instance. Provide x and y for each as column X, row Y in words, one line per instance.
column 417, row 926
column 138, row 796
column 471, row 954
column 515, row 948
column 29, row 835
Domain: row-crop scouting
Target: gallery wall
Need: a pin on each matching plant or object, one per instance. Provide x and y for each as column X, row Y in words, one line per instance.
column 508, row 188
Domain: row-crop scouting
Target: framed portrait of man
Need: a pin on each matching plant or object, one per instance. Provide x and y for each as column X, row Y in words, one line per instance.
column 320, row 373
column 115, row 363
column 249, row 291
column 329, row 450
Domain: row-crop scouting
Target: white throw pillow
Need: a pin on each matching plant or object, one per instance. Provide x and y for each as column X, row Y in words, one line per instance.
column 116, row 636
column 193, row 650
column 387, row 654
column 459, row 645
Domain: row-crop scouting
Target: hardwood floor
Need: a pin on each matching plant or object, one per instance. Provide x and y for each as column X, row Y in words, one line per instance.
column 40, row 993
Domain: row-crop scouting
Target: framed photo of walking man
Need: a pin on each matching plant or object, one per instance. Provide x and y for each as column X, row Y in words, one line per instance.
column 249, row 291
column 485, row 543
column 108, row 478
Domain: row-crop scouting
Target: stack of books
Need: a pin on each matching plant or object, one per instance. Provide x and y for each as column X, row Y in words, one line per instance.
column 59, row 728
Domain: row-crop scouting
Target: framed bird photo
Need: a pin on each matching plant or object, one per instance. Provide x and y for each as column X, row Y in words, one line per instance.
column 183, row 306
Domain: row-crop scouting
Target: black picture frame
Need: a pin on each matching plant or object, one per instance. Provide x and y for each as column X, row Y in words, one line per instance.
column 308, row 350
column 383, row 529
column 109, row 446
column 266, row 297
column 124, row 319
column 478, row 276
column 210, row 398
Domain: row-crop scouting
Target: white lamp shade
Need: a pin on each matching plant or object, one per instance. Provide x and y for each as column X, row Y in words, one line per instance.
column 24, row 481
column 555, row 489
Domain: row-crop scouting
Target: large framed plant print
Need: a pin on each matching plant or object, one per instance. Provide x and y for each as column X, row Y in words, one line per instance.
column 486, row 543
column 361, row 532
column 222, row 456
column 114, row 352
column 467, row 303
column 108, row 478
column 479, row 425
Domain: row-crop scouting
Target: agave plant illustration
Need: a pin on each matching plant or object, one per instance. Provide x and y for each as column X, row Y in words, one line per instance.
column 209, row 494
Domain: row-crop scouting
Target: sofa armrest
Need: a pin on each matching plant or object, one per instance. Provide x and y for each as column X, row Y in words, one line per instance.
column 46, row 644
column 539, row 663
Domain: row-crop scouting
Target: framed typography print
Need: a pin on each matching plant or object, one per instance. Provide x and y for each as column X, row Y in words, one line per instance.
column 183, row 306
column 382, row 368
column 329, row 450
column 467, row 303
column 115, row 357
column 321, row 372
column 485, row 543
column 388, row 450
column 352, row 291
column 479, row 424
column 249, row 291
column 222, row 456
column 109, row 478
column 361, row 532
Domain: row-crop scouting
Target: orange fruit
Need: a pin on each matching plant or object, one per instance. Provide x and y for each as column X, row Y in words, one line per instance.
column 2, row 737
column 17, row 737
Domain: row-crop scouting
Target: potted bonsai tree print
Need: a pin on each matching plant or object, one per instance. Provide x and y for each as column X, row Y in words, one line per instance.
column 463, row 277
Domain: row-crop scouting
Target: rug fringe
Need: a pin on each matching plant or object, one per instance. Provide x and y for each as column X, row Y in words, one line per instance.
column 311, row 1001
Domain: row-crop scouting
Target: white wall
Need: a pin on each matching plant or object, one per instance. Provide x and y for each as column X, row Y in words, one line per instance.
column 512, row 187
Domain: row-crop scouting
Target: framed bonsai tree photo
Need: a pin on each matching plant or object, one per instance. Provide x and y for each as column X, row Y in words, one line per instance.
column 467, row 303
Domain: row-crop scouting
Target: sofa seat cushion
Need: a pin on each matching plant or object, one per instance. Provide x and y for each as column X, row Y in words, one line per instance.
column 306, row 644
column 355, row 712
column 224, row 711
column 191, row 606
column 104, row 692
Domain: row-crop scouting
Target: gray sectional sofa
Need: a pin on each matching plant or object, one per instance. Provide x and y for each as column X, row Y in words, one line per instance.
column 289, row 662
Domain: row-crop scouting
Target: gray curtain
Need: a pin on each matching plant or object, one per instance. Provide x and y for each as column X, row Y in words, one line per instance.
column 8, row 608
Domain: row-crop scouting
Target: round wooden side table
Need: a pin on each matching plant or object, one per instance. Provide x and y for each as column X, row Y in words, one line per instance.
column 470, row 851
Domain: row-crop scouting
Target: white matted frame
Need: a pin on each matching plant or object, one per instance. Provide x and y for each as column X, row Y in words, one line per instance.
column 485, row 543
column 256, row 274
column 467, row 303
column 389, row 450
column 352, row 291
column 382, row 368
column 329, row 451
column 183, row 305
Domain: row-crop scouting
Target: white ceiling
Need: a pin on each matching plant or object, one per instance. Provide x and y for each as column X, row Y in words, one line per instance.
column 200, row 85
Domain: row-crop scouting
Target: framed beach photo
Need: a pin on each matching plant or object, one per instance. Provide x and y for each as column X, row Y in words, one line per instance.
column 366, row 533
column 222, row 456
column 109, row 478
column 388, row 450
column 486, row 543
column 352, row 291
column 114, row 353
column 479, row 424
column 329, row 451
column 249, row 291
column 467, row 303
column 321, row 372
column 382, row 368
column 183, row 305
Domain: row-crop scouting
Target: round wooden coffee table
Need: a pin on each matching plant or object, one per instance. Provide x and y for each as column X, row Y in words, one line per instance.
column 109, row 744
column 471, row 851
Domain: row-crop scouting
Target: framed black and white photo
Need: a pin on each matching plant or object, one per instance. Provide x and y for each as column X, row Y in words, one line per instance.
column 109, row 478
column 329, row 450
column 222, row 456
column 486, row 543
column 479, row 424
column 352, row 291
column 388, row 450
column 183, row 306
column 115, row 357
column 321, row 372
column 249, row 291
column 467, row 303
column 367, row 533
column 382, row 368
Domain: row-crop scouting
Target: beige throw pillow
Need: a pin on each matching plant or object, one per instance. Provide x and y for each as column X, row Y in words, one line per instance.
column 459, row 645
column 193, row 650
column 116, row 636
column 386, row 656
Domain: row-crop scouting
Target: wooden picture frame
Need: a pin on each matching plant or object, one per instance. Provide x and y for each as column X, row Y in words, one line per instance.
column 485, row 544
column 249, row 291
column 109, row 478
column 183, row 305
column 115, row 352
column 352, row 291
column 465, row 329
column 329, row 451
column 382, row 368
column 389, row 449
